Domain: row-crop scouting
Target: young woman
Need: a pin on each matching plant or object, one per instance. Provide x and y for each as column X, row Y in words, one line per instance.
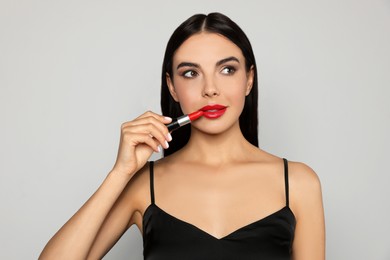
column 217, row 195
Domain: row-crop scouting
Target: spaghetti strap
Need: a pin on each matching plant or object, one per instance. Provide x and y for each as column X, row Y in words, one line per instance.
column 151, row 181
column 286, row 181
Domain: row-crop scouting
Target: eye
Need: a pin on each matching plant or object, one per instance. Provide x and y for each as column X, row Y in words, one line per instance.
column 228, row 70
column 189, row 74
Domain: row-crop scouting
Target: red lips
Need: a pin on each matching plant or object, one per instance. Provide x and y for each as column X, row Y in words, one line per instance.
column 213, row 111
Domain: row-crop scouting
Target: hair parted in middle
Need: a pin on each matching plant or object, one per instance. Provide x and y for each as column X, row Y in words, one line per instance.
column 223, row 25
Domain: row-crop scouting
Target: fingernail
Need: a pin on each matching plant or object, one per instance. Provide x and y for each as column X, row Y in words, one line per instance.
column 159, row 148
column 166, row 145
column 168, row 118
column 169, row 137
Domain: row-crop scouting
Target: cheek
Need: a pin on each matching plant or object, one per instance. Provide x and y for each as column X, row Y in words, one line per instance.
column 237, row 99
column 236, row 90
column 189, row 98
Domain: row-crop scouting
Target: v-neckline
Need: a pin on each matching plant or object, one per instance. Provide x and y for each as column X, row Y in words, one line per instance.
column 196, row 228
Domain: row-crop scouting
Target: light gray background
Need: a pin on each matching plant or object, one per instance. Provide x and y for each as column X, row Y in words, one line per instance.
column 72, row 71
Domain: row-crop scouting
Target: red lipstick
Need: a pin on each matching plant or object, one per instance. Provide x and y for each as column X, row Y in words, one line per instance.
column 213, row 111
column 183, row 120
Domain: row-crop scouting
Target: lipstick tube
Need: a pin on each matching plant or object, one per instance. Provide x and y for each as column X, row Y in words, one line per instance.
column 183, row 120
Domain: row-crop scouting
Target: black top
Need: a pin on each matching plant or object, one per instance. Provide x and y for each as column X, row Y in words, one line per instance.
column 167, row 237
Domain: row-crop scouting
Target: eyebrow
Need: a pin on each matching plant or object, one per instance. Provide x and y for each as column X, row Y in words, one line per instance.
column 195, row 65
column 232, row 58
column 187, row 64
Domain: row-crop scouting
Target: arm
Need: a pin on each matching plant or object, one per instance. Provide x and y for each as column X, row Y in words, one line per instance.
column 124, row 213
column 139, row 138
column 75, row 238
column 306, row 203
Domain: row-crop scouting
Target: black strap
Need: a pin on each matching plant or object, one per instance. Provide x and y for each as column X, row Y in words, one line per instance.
column 286, row 180
column 151, row 181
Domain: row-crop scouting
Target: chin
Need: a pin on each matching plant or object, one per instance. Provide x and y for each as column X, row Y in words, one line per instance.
column 216, row 128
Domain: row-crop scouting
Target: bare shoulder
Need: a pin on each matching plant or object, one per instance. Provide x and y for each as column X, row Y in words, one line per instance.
column 302, row 175
column 137, row 191
column 306, row 204
column 305, row 188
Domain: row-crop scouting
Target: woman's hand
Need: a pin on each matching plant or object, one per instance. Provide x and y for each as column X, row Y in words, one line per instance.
column 139, row 139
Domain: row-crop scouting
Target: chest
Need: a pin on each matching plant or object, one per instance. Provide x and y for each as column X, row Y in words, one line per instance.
column 267, row 238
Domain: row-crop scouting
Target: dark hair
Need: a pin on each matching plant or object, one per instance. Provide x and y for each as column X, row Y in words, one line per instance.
column 220, row 24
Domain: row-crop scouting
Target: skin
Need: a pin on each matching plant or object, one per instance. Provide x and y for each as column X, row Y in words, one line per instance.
column 221, row 182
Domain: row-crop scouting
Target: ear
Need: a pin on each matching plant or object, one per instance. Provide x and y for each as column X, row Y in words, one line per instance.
column 171, row 87
column 250, row 78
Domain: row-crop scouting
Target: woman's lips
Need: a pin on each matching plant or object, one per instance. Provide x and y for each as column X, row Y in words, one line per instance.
column 213, row 111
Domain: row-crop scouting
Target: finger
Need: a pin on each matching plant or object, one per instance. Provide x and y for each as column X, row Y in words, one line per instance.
column 163, row 119
column 147, row 117
column 152, row 131
column 139, row 138
column 148, row 124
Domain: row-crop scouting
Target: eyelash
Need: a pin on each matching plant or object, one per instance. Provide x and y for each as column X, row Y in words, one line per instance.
column 231, row 69
column 193, row 73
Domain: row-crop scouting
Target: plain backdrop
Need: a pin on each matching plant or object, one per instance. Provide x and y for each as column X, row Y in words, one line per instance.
column 72, row 71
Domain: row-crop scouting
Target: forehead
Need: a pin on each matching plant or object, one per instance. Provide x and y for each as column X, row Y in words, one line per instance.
column 206, row 47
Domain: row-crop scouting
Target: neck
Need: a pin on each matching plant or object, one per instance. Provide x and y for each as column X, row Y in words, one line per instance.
column 217, row 149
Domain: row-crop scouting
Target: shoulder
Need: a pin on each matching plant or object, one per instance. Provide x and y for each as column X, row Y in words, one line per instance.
column 306, row 204
column 302, row 175
column 137, row 191
column 305, row 188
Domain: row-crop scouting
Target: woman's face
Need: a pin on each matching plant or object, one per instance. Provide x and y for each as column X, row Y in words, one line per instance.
column 209, row 74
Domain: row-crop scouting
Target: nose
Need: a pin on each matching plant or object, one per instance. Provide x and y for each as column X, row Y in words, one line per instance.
column 210, row 89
